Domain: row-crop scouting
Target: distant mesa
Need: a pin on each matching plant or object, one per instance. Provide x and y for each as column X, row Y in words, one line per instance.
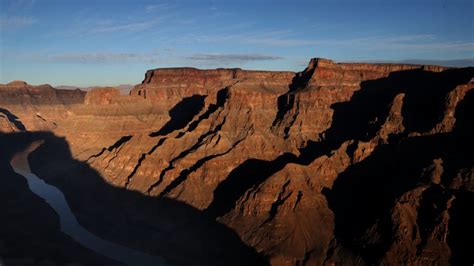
column 17, row 83
column 123, row 88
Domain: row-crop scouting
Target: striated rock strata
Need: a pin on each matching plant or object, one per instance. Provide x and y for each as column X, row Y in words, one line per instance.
column 337, row 164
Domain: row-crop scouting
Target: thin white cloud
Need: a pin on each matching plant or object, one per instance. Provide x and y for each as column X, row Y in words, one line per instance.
column 108, row 26
column 99, row 57
column 467, row 62
column 157, row 7
column 284, row 39
column 457, row 46
column 232, row 58
column 166, row 56
column 133, row 27
column 15, row 22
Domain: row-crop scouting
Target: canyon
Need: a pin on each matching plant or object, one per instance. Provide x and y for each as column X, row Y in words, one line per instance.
column 341, row 163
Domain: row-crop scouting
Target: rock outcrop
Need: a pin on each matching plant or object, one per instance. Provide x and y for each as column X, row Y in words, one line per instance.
column 19, row 92
column 102, row 96
column 337, row 164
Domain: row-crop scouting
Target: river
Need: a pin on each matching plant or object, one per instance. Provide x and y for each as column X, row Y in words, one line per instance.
column 69, row 224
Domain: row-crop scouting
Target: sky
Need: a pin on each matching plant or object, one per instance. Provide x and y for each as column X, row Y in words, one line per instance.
column 102, row 42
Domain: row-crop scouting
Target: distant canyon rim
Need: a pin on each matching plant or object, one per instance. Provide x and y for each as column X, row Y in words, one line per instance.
column 339, row 164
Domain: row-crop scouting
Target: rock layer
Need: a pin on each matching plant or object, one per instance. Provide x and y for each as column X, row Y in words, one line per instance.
column 340, row 163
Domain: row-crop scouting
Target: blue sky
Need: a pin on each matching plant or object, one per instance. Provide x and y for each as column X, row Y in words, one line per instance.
column 86, row 43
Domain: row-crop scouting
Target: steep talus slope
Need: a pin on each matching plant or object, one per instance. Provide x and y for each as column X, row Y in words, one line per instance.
column 340, row 163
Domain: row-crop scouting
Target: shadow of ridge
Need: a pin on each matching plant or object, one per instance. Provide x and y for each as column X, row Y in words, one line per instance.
column 181, row 114
column 13, row 119
column 286, row 101
column 391, row 170
column 357, row 119
column 362, row 196
column 249, row 174
column 374, row 184
column 461, row 231
column 363, row 115
column 159, row 226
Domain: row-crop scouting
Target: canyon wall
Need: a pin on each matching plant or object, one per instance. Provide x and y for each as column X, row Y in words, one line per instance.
column 340, row 163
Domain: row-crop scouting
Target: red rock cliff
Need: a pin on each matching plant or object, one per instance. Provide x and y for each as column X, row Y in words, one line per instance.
column 340, row 163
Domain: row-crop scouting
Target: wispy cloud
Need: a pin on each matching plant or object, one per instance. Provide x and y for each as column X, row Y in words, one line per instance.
column 453, row 46
column 99, row 57
column 232, row 58
column 157, row 7
column 467, row 62
column 15, row 22
column 130, row 27
column 283, row 38
column 98, row 26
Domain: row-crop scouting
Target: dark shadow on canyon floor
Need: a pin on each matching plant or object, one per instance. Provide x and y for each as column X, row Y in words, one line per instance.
column 161, row 226
column 29, row 227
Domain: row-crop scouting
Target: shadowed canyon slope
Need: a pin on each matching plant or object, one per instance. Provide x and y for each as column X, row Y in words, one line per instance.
column 340, row 163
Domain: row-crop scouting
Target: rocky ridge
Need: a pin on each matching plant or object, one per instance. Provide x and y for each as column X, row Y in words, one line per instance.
column 340, row 163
